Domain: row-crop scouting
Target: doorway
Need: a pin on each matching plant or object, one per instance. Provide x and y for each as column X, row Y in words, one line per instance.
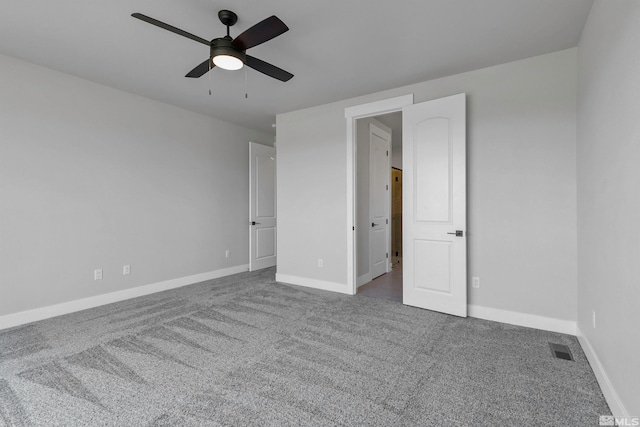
column 379, row 205
column 375, row 108
column 396, row 211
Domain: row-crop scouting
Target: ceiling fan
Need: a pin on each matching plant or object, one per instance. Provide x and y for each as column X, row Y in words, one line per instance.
column 229, row 53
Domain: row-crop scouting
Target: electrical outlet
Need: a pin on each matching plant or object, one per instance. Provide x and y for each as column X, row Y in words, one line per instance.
column 320, row 263
column 227, row 253
column 475, row 282
column 594, row 318
column 97, row 274
column 126, row 269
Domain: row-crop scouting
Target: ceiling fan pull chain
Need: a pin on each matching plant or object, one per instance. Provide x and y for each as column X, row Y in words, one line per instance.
column 246, row 91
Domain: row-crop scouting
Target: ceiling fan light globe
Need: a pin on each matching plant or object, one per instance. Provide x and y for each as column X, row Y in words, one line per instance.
column 228, row 62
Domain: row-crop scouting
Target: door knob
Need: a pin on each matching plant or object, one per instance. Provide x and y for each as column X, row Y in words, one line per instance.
column 373, row 224
column 458, row 233
column 254, row 223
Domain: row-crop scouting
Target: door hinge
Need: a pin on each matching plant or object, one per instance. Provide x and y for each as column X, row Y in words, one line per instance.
column 387, row 153
column 353, row 228
column 387, row 187
column 387, row 221
column 387, row 254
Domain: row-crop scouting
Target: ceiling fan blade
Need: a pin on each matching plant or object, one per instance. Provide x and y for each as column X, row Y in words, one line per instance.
column 261, row 32
column 168, row 27
column 268, row 69
column 202, row 69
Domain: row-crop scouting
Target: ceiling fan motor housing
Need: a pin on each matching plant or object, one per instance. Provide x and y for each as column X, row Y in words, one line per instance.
column 223, row 46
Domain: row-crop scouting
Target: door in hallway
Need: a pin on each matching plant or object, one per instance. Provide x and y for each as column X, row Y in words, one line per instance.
column 262, row 206
column 380, row 145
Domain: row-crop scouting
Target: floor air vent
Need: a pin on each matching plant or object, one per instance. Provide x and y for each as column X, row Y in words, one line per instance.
column 560, row 351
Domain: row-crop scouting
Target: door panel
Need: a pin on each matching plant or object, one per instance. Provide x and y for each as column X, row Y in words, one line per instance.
column 434, row 197
column 379, row 167
column 262, row 206
column 432, row 166
column 265, row 183
column 378, row 253
column 429, row 274
column 265, row 242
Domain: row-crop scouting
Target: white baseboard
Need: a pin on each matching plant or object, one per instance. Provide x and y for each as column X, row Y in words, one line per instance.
column 365, row 278
column 523, row 319
column 22, row 317
column 610, row 394
column 313, row 283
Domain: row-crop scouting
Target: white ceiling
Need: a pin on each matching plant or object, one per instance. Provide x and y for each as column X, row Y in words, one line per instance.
column 337, row 49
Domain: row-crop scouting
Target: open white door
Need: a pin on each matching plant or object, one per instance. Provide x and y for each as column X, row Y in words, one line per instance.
column 434, row 211
column 262, row 206
column 379, row 179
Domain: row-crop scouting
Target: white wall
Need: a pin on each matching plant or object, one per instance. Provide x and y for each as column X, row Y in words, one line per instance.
column 521, row 185
column 91, row 177
column 396, row 156
column 394, row 121
column 609, row 196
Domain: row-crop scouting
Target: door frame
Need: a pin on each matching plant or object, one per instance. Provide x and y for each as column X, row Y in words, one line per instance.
column 352, row 114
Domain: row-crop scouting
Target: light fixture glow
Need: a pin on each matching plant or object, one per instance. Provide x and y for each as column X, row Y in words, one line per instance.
column 227, row 62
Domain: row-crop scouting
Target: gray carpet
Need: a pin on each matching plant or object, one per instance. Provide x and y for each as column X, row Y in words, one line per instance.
column 245, row 350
